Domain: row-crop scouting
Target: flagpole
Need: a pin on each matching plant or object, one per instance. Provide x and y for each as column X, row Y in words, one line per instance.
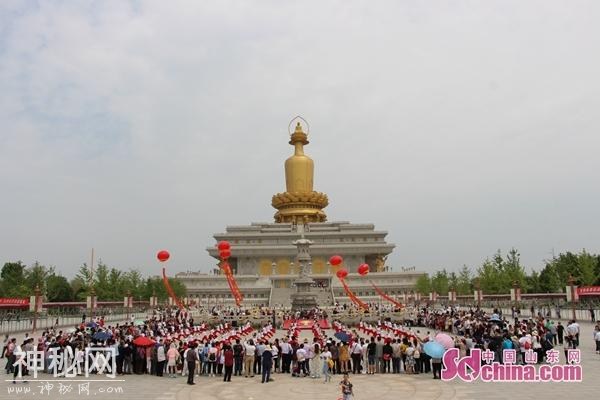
column 92, row 292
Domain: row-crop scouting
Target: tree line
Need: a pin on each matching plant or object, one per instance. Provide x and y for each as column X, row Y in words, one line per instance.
column 496, row 275
column 109, row 283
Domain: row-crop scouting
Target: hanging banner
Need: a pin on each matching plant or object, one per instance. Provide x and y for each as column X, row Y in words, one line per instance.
column 170, row 290
column 352, row 296
column 588, row 291
column 385, row 296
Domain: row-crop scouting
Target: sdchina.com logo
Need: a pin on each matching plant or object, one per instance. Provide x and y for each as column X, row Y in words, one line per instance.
column 471, row 367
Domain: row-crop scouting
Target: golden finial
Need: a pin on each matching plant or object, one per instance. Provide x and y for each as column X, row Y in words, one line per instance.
column 299, row 202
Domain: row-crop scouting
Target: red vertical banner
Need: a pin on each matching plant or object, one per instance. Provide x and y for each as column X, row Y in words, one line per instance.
column 352, row 296
column 385, row 296
column 170, row 290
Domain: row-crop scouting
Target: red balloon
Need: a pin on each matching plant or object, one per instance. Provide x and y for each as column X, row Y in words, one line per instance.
column 225, row 254
column 363, row 269
column 223, row 245
column 336, row 260
column 163, row 255
column 342, row 273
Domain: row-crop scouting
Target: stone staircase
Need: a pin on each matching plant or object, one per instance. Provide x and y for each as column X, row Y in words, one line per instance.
column 282, row 296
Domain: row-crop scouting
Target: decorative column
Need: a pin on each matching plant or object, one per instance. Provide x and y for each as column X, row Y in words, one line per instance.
column 153, row 299
column 572, row 295
column 452, row 295
column 35, row 303
column 128, row 303
column 478, row 294
column 91, row 302
column 515, row 293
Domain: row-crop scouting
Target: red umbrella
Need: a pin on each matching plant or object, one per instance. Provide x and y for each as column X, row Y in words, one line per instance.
column 143, row 341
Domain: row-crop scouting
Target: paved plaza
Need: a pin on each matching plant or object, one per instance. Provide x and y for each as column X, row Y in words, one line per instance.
column 379, row 386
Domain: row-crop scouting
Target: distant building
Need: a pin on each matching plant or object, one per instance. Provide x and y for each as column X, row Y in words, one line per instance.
column 263, row 254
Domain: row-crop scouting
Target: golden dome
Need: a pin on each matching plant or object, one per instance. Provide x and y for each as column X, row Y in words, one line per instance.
column 299, row 202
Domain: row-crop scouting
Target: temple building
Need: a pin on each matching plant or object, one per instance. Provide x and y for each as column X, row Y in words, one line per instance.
column 264, row 257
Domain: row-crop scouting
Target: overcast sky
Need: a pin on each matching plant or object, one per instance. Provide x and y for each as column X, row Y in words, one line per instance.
column 459, row 127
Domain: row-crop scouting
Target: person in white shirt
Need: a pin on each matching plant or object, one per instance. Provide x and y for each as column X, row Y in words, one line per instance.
column 249, row 351
column 275, row 354
column 325, row 357
column 356, row 355
column 573, row 332
column 286, row 356
column 597, row 338
column 301, row 357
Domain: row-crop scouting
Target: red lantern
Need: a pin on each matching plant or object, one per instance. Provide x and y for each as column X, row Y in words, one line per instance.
column 342, row 273
column 225, row 254
column 363, row 269
column 223, row 245
column 163, row 255
column 336, row 260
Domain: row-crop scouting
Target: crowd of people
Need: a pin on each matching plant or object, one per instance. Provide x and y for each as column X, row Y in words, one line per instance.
column 172, row 344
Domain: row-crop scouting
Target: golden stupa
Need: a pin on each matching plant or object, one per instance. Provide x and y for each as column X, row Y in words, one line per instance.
column 299, row 203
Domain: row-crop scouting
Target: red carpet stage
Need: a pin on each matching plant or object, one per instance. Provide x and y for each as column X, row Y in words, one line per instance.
column 306, row 323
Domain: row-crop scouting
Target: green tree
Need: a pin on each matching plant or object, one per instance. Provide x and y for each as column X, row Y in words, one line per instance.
column 102, row 285
column 37, row 275
column 587, row 264
column 154, row 285
column 13, row 280
column 58, row 289
column 549, row 280
column 133, row 281
column 116, row 283
column 534, row 283
column 452, row 280
column 583, row 266
column 423, row 284
column 512, row 271
column 489, row 275
column 439, row 282
column 464, row 286
column 82, row 283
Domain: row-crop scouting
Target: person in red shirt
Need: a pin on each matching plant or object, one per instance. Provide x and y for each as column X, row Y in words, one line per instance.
column 228, row 362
